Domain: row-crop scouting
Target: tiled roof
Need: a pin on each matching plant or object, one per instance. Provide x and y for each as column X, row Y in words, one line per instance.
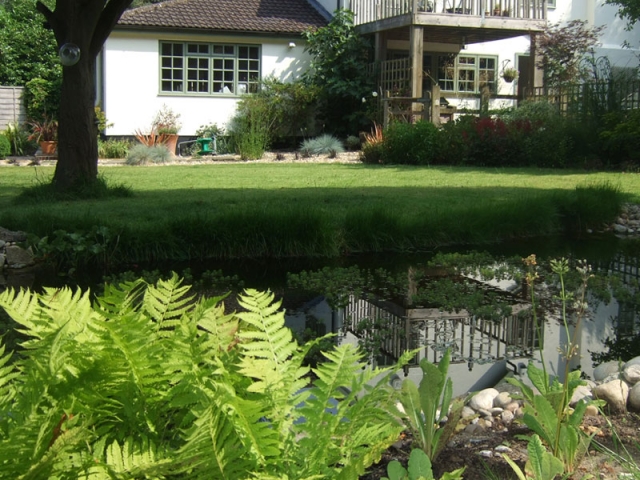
column 261, row 16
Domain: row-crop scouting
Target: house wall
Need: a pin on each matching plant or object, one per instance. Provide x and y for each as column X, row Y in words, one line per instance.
column 131, row 96
column 594, row 11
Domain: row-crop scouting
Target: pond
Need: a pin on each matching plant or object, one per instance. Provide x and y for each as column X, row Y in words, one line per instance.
column 433, row 301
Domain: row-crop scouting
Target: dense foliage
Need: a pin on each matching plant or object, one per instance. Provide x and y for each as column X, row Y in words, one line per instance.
column 339, row 60
column 534, row 134
column 27, row 49
column 147, row 382
column 562, row 47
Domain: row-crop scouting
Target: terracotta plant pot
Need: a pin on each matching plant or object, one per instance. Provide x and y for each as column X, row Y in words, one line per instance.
column 48, row 147
column 171, row 143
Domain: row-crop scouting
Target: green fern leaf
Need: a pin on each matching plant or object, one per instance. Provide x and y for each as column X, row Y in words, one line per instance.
column 167, row 301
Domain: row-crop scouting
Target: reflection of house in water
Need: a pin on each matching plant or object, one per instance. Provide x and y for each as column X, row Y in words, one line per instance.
column 627, row 323
column 483, row 350
column 472, row 340
column 480, row 347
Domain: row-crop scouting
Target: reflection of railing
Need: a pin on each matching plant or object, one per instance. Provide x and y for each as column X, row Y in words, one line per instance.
column 367, row 11
column 471, row 340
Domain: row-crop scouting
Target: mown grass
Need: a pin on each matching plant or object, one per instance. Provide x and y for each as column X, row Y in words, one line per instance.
column 278, row 210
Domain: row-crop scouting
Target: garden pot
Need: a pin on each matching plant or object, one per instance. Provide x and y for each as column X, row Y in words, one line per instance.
column 48, row 147
column 508, row 78
column 170, row 143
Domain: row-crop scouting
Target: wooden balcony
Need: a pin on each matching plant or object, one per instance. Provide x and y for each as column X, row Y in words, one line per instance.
column 447, row 20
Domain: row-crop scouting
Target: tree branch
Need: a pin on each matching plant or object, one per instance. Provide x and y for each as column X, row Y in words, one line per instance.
column 108, row 19
column 51, row 20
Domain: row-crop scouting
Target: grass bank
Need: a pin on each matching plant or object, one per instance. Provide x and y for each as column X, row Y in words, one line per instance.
column 278, row 210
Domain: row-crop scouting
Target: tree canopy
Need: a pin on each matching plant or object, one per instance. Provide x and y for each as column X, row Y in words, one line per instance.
column 27, row 49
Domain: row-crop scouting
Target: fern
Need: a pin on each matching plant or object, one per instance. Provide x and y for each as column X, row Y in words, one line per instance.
column 147, row 382
column 270, row 356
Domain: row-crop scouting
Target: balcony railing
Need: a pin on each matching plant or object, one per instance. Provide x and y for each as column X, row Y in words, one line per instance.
column 367, row 11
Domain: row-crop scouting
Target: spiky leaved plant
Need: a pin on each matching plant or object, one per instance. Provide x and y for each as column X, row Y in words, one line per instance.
column 147, row 382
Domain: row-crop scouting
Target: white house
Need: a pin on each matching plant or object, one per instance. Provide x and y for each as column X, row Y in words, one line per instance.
column 198, row 57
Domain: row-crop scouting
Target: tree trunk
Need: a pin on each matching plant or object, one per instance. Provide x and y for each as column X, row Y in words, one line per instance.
column 77, row 132
column 87, row 24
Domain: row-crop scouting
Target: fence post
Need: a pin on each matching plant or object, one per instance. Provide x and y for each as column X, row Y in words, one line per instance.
column 435, row 105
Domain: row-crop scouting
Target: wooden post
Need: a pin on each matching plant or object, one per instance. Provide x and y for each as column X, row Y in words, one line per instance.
column 435, row 105
column 416, row 51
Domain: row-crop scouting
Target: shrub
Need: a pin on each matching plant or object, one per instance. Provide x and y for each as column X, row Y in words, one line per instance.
column 352, row 142
column 373, row 145
column 5, row 146
column 621, row 138
column 411, row 144
column 251, row 127
column 323, row 145
column 19, row 139
column 113, row 148
column 143, row 154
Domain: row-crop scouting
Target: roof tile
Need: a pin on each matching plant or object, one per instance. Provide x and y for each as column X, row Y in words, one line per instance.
column 264, row 16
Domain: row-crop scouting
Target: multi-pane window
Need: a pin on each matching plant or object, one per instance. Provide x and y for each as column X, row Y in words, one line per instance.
column 551, row 3
column 204, row 68
column 467, row 73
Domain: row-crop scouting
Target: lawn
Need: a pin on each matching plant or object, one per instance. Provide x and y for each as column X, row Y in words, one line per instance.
column 276, row 209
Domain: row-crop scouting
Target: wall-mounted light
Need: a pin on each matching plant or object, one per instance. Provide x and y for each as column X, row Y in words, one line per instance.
column 292, row 44
column 463, row 45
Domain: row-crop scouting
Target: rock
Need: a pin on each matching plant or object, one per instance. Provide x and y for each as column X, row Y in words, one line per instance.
column 486, row 453
column 484, row 413
column 582, row 392
column 18, row 257
column 631, row 374
column 611, row 378
column 2, row 243
column 603, row 370
column 591, row 411
column 495, row 411
column 507, row 417
column 502, row 400
column 483, row 399
column 473, row 428
column 467, row 412
column 615, row 393
column 634, row 398
column 633, row 361
column 620, row 228
column 502, row 449
column 2, row 260
column 512, row 407
column 11, row 236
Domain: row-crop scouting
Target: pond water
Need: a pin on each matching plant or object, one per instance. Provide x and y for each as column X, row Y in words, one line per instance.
column 392, row 302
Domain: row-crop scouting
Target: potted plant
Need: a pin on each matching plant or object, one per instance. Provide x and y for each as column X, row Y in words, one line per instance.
column 509, row 74
column 45, row 132
column 497, row 10
column 166, row 126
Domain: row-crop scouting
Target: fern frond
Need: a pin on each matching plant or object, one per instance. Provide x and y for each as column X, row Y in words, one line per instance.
column 267, row 346
column 213, row 448
column 167, row 301
column 270, row 356
column 335, row 417
column 8, row 374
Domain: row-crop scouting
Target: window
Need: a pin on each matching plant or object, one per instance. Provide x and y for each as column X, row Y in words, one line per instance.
column 551, row 3
column 467, row 73
column 209, row 68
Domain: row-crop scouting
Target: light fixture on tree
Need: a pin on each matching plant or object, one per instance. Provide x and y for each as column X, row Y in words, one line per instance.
column 69, row 54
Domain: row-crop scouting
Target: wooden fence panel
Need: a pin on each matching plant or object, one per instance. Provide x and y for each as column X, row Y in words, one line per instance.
column 11, row 106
